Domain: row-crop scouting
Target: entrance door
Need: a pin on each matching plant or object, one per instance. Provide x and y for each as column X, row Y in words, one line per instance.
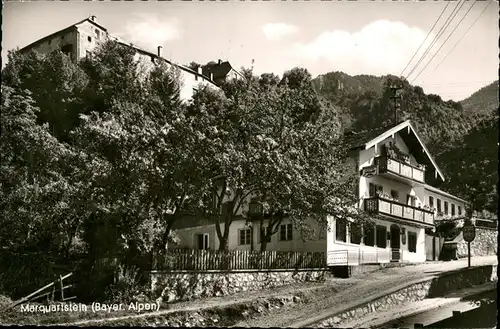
column 395, row 243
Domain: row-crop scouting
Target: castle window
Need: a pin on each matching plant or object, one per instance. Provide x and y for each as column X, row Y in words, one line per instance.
column 97, row 33
column 89, row 39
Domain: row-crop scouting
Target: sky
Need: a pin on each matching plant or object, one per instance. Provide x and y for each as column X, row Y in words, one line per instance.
column 356, row 37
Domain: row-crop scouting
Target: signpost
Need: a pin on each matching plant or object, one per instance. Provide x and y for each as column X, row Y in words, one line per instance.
column 469, row 233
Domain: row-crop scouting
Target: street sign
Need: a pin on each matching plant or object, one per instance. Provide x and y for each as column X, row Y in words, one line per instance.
column 469, row 232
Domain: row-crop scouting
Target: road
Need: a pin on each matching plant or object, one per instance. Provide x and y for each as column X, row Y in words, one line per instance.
column 362, row 288
column 438, row 312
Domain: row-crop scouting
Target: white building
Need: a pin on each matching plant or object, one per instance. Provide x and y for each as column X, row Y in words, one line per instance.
column 81, row 39
column 398, row 181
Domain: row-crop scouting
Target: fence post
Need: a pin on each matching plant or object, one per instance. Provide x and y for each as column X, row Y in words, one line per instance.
column 62, row 287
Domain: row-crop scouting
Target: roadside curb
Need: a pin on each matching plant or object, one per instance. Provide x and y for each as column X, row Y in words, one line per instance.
column 438, row 303
column 366, row 304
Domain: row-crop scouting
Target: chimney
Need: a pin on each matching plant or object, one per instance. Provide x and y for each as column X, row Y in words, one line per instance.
column 211, row 76
column 199, row 70
column 220, row 61
column 159, row 51
column 93, row 18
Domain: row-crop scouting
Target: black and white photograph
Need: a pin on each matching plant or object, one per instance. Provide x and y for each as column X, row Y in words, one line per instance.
column 256, row 164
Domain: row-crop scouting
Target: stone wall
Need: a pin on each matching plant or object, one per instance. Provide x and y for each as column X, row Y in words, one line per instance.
column 170, row 287
column 431, row 288
column 485, row 243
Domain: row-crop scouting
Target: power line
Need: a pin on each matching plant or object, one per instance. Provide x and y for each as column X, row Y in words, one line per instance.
column 432, row 28
column 442, row 45
column 439, row 34
column 463, row 36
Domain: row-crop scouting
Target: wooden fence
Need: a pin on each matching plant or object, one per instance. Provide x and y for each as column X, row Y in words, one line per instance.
column 214, row 260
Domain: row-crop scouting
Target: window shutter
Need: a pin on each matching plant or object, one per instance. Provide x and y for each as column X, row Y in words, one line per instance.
column 371, row 189
column 199, row 241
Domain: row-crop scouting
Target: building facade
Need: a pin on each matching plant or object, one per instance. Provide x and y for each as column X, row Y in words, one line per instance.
column 398, row 181
column 81, row 39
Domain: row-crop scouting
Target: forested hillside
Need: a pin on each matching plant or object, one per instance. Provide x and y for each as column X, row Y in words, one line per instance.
column 483, row 102
column 462, row 136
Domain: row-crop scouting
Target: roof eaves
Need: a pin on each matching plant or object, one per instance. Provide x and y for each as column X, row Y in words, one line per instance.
column 92, row 22
column 386, row 134
column 435, row 189
column 74, row 26
column 397, row 128
column 181, row 67
column 50, row 36
column 428, row 153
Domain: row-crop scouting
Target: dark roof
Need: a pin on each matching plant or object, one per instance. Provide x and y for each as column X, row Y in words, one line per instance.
column 50, row 36
column 219, row 70
column 356, row 139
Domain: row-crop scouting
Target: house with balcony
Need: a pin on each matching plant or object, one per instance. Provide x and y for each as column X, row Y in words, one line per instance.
column 399, row 187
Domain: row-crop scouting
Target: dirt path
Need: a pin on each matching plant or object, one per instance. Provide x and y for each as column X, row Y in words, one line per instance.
column 324, row 298
column 369, row 285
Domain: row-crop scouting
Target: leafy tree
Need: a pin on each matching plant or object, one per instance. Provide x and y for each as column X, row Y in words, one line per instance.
column 193, row 66
column 37, row 208
column 56, row 84
column 472, row 167
column 274, row 143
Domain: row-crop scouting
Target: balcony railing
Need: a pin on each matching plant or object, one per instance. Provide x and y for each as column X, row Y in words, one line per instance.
column 400, row 210
column 358, row 257
column 387, row 164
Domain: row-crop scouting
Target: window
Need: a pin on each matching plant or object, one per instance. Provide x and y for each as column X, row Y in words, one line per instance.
column 322, row 233
column 374, row 189
column 381, row 236
column 459, row 210
column 286, row 232
column 97, row 33
column 431, row 202
column 67, row 50
column 341, row 230
column 395, row 194
column 355, row 233
column 202, row 241
column 89, row 38
column 412, row 242
column 453, row 209
column 245, row 236
column 410, row 200
column 446, row 207
column 439, row 205
column 369, row 235
column 263, row 234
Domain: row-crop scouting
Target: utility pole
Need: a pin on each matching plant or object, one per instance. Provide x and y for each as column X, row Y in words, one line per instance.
column 397, row 96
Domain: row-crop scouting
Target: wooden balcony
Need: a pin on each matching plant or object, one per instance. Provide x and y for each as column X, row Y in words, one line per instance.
column 401, row 169
column 399, row 210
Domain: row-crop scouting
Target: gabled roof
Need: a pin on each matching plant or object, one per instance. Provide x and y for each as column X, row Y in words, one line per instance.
column 358, row 139
column 219, row 70
column 369, row 138
column 63, row 31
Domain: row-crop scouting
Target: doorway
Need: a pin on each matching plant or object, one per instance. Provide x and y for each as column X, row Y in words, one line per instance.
column 395, row 243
